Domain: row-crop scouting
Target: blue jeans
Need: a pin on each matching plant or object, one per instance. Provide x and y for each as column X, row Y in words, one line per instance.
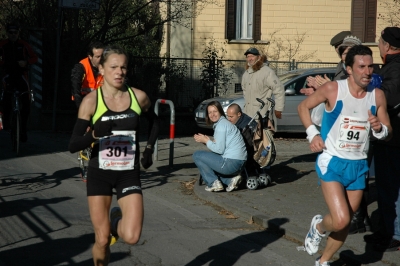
column 387, row 178
column 213, row 166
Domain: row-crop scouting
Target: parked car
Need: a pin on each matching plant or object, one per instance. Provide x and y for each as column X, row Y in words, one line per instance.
column 293, row 82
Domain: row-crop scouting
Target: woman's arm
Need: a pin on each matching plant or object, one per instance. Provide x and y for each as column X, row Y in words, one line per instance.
column 219, row 144
column 82, row 135
column 154, row 126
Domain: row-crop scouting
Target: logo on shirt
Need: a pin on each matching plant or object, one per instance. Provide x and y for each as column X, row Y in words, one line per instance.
column 116, row 117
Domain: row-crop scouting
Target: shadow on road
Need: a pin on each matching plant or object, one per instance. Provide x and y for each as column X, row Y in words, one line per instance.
column 229, row 252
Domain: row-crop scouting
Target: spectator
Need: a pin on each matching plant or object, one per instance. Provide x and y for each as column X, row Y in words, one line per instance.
column 228, row 152
column 16, row 56
column 238, row 118
column 85, row 76
column 260, row 81
column 387, row 154
column 342, row 166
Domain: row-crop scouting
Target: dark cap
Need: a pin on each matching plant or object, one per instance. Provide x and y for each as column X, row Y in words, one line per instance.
column 338, row 38
column 392, row 36
column 12, row 26
column 253, row 51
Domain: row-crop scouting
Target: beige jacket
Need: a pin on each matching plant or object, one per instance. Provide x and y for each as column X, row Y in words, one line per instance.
column 261, row 84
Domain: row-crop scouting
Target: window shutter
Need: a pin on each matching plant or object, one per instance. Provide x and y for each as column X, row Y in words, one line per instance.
column 358, row 18
column 230, row 19
column 363, row 19
column 371, row 15
column 257, row 20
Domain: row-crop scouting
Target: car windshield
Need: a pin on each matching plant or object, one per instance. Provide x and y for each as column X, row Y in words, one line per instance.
column 288, row 76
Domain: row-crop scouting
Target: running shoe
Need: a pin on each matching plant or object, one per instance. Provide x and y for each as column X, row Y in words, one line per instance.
column 313, row 237
column 318, row 263
column 234, row 184
column 115, row 216
column 215, row 186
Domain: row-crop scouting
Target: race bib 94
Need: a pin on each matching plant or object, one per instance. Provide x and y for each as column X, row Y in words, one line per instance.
column 117, row 152
column 353, row 133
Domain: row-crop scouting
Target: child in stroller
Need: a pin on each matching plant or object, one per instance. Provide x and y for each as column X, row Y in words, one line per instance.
column 260, row 148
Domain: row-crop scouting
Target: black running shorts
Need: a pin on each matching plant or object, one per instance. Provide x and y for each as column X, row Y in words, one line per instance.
column 101, row 182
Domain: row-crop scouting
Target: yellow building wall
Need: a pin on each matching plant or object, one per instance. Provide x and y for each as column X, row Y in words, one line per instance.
column 320, row 20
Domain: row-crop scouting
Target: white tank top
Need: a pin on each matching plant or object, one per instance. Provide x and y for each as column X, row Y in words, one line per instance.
column 345, row 130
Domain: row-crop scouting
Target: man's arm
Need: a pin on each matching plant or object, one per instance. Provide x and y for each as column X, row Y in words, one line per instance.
column 390, row 86
column 325, row 93
column 381, row 120
column 278, row 90
column 77, row 74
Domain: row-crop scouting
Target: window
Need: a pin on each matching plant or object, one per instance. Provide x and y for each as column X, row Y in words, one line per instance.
column 244, row 23
column 243, row 20
column 363, row 19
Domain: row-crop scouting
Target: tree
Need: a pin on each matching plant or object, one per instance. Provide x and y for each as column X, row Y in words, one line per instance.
column 287, row 48
column 392, row 15
column 136, row 25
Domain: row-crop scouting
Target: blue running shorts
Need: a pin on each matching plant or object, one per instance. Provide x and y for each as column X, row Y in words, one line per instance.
column 351, row 174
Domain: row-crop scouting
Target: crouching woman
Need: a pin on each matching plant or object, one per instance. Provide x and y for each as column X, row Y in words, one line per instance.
column 223, row 164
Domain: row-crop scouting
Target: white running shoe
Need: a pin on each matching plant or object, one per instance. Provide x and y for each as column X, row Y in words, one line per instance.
column 234, row 184
column 318, row 263
column 313, row 237
column 216, row 186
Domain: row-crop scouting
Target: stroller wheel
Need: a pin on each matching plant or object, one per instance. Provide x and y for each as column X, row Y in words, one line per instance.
column 200, row 182
column 252, row 183
column 265, row 179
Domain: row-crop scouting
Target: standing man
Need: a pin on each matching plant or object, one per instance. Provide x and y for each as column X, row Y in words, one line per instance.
column 387, row 154
column 354, row 109
column 260, row 81
column 16, row 56
column 85, row 75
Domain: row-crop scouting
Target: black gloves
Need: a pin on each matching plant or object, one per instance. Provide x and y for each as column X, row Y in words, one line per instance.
column 147, row 159
column 102, row 129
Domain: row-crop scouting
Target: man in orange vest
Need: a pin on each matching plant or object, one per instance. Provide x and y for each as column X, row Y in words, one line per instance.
column 85, row 76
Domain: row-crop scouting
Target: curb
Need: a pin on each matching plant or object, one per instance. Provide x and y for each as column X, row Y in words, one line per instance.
column 290, row 229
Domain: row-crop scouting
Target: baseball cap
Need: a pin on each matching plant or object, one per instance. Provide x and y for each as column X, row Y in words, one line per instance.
column 338, row 38
column 253, row 51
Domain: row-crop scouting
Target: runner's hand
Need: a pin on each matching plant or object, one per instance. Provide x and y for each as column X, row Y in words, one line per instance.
column 147, row 159
column 375, row 124
column 317, row 144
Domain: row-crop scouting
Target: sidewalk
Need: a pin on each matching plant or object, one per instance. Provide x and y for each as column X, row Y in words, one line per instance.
column 294, row 196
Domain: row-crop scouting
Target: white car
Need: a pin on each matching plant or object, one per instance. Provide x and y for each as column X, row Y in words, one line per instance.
column 293, row 81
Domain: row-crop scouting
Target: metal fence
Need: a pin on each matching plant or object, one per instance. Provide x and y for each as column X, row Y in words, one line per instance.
column 187, row 81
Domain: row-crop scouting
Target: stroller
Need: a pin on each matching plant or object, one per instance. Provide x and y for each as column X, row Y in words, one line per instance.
column 260, row 148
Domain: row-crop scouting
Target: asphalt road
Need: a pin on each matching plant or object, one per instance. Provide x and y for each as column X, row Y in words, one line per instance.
column 44, row 216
